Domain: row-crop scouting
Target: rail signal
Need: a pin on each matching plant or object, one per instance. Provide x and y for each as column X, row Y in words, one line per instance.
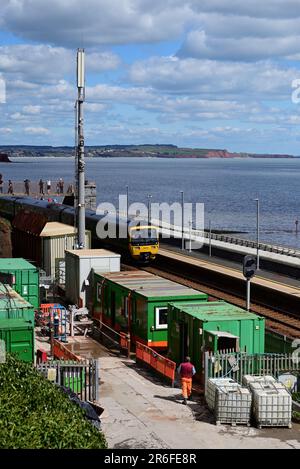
column 249, row 269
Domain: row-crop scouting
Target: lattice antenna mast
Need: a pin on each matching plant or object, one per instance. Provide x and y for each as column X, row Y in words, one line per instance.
column 80, row 208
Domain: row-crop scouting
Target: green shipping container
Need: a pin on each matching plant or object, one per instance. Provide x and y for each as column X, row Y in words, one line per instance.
column 212, row 326
column 25, row 278
column 13, row 306
column 18, row 336
column 278, row 343
column 138, row 301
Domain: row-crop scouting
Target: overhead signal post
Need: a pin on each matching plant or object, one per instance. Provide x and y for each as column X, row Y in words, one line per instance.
column 249, row 269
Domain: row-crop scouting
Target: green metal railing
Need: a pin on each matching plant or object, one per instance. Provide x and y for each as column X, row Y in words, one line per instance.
column 236, row 365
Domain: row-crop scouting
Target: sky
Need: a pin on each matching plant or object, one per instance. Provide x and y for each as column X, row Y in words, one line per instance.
column 194, row 73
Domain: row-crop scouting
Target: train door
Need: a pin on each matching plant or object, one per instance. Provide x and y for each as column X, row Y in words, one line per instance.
column 183, row 338
column 113, row 308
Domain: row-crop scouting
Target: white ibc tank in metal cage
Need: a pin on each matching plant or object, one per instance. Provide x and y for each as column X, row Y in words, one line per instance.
column 248, row 379
column 230, row 402
column 211, row 389
column 272, row 404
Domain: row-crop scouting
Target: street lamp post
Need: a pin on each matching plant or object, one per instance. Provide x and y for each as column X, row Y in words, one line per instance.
column 127, row 201
column 209, row 251
column 190, row 233
column 182, row 220
column 149, row 208
column 257, row 233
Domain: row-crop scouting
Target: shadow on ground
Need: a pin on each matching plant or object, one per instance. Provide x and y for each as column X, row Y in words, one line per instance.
column 148, row 374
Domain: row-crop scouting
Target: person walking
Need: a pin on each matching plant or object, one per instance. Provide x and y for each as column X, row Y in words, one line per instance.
column 41, row 186
column 186, row 371
column 61, row 186
column 10, row 187
column 26, row 184
column 48, row 186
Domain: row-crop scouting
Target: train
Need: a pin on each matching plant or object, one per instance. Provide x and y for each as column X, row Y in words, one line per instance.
column 134, row 239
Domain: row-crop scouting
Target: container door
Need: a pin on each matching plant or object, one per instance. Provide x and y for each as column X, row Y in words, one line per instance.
column 113, row 308
column 183, row 338
column 21, row 343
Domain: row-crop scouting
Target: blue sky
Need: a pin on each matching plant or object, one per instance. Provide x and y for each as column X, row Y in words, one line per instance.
column 212, row 74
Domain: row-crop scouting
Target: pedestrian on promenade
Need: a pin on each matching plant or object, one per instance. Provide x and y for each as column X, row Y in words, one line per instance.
column 10, row 187
column 1, row 184
column 26, row 184
column 48, row 186
column 186, row 371
column 41, row 186
column 61, row 186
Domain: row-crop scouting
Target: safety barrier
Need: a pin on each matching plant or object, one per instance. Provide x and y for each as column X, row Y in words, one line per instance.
column 157, row 362
column 60, row 351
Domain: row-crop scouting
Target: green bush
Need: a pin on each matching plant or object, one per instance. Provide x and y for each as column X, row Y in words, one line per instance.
column 296, row 396
column 34, row 413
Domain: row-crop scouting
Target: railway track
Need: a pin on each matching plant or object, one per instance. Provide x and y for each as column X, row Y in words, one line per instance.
column 278, row 321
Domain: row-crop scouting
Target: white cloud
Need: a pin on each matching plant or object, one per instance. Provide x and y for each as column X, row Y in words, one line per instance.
column 200, row 45
column 96, row 22
column 17, row 116
column 213, row 78
column 5, row 130
column 46, row 64
column 31, row 109
column 37, row 130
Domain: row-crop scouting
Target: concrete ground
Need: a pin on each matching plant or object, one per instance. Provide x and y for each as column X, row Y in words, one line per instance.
column 141, row 412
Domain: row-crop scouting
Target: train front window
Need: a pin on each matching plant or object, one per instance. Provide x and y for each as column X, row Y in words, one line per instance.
column 143, row 236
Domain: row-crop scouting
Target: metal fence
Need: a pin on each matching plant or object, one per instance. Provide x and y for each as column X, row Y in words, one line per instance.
column 285, row 250
column 111, row 338
column 236, row 365
column 80, row 377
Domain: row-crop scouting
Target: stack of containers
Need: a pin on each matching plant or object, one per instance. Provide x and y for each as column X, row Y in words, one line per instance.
column 271, row 402
column 230, row 402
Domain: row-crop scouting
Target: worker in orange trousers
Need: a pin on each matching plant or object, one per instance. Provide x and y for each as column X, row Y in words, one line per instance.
column 186, row 370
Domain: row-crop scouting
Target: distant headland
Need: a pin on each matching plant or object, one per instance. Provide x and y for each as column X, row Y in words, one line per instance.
column 134, row 151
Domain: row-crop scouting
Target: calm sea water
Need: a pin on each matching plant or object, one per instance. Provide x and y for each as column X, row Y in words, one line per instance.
column 226, row 187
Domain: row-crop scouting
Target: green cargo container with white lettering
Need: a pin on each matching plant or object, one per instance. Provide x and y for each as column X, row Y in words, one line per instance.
column 24, row 278
column 212, row 326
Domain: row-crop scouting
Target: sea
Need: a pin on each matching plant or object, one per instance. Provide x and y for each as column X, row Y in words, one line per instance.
column 227, row 188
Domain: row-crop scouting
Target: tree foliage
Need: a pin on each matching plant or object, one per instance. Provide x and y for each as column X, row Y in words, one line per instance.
column 34, row 413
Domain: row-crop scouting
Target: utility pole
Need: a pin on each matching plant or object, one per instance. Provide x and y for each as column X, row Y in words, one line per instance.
column 182, row 220
column 127, row 201
column 149, row 209
column 257, row 233
column 209, row 250
column 80, row 209
column 190, row 233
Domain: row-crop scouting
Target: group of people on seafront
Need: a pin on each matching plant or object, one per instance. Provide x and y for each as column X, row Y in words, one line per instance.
column 44, row 186
column 59, row 186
